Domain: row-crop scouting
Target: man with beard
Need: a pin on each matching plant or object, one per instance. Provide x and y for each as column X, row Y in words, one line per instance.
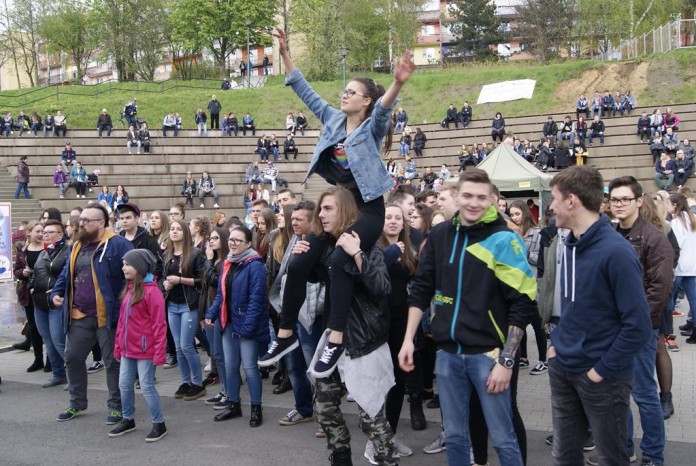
column 88, row 291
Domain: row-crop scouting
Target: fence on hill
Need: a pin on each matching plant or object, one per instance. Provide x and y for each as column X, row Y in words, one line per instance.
column 678, row 34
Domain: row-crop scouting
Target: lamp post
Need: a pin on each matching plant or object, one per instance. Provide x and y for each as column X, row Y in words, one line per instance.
column 248, row 25
column 343, row 53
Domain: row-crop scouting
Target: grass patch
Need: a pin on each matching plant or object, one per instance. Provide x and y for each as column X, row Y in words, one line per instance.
column 425, row 97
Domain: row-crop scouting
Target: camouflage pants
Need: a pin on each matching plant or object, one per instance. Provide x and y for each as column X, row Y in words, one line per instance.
column 327, row 406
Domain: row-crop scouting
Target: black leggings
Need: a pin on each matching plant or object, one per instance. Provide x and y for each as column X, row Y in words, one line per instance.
column 34, row 335
column 80, row 188
column 478, row 430
column 540, row 335
column 369, row 226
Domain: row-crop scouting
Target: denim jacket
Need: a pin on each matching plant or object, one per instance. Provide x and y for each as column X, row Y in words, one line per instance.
column 363, row 145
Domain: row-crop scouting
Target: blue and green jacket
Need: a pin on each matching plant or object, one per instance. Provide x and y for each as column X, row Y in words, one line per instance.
column 481, row 283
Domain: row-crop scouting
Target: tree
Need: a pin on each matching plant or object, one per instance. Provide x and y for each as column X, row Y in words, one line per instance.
column 476, row 28
column 220, row 25
column 116, row 19
column 21, row 23
column 548, row 27
column 70, row 28
column 151, row 39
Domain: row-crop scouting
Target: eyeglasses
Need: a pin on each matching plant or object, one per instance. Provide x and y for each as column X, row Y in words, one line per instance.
column 89, row 220
column 349, row 93
column 214, row 238
column 46, row 232
column 621, row 201
column 237, row 242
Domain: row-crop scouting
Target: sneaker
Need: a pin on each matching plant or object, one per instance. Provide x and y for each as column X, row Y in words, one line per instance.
column 645, row 461
column 687, row 327
column 171, row 362
column 434, row 403
column 370, row 453
column 159, row 430
column 350, row 398
column 593, row 461
column 524, row 363
column 68, row 414
column 549, row 440
column 539, row 368
column 182, row 391
column 211, row 379
column 676, row 313
column 224, row 403
column 328, row 360
column 208, row 366
column 401, row 448
column 671, row 345
column 194, row 393
column 292, row 418
column 589, row 443
column 114, row 417
column 202, row 206
column 83, row 196
column 126, row 425
column 279, row 348
column 437, row 445
column 54, row 381
column 215, row 399
column 320, row 433
column 216, row 206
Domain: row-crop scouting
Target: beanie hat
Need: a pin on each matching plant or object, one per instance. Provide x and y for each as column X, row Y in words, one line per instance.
column 141, row 260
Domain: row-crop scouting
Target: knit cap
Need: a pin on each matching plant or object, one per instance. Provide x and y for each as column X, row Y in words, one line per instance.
column 141, row 260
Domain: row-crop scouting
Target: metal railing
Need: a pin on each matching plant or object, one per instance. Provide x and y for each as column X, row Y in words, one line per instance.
column 674, row 35
column 20, row 99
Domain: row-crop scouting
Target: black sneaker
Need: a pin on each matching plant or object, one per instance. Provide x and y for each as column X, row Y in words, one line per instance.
column 195, row 392
column 125, row 426
column 182, row 391
column 224, row 403
column 434, row 403
column 328, row 360
column 589, row 443
column 549, row 440
column 279, row 348
column 215, row 399
column 159, row 430
column 211, row 379
column 687, row 327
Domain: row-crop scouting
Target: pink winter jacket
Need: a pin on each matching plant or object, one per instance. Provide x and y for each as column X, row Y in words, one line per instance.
column 142, row 329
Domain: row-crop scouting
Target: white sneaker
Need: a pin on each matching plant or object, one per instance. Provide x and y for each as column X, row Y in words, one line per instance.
column 77, row 197
column 350, row 398
column 202, row 206
column 437, row 445
column 207, row 367
column 61, row 197
column 83, row 196
column 215, row 206
column 370, row 452
column 401, row 448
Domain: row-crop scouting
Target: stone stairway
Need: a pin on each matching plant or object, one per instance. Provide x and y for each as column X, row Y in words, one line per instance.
column 313, row 188
column 22, row 209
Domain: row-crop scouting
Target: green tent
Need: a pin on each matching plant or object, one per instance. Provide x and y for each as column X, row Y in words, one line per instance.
column 511, row 173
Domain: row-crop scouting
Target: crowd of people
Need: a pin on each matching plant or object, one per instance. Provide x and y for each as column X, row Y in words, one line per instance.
column 354, row 295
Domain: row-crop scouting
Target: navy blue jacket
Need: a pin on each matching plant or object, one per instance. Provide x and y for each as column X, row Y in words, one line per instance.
column 605, row 319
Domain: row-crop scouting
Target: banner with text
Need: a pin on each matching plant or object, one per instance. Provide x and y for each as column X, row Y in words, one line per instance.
column 5, row 241
column 506, row 91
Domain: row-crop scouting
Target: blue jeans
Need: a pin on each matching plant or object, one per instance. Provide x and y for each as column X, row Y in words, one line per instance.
column 667, row 178
column 297, row 364
column 50, row 326
column 458, row 375
column 104, row 127
column 20, row 187
column 145, row 371
column 644, row 392
column 688, row 285
column 579, row 403
column 183, row 323
column 595, row 134
column 215, row 341
column 241, row 352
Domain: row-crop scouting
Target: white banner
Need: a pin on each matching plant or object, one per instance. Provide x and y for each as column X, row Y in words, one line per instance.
column 5, row 241
column 506, row 91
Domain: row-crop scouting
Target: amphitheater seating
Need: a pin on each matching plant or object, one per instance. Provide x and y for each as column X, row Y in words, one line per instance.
column 154, row 181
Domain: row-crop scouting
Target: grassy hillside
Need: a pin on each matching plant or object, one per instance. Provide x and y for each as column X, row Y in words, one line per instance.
column 669, row 78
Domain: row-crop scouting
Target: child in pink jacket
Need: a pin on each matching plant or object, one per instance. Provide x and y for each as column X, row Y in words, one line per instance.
column 141, row 342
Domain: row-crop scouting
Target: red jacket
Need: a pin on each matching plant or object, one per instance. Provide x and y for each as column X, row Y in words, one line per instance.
column 142, row 329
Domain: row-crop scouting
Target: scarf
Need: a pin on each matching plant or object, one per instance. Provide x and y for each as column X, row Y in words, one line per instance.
column 236, row 259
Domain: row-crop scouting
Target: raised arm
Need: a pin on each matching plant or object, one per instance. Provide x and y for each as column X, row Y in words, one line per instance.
column 283, row 50
column 402, row 71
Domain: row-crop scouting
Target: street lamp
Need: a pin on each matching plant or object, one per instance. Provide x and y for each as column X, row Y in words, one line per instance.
column 248, row 25
column 343, row 53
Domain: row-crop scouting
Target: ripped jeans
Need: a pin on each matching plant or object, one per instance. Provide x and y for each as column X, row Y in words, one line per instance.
column 183, row 323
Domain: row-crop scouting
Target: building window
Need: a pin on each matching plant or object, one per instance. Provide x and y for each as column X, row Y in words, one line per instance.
column 427, row 30
column 429, row 53
column 430, row 5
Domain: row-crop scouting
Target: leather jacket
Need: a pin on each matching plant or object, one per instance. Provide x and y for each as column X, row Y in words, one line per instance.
column 47, row 269
column 192, row 293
